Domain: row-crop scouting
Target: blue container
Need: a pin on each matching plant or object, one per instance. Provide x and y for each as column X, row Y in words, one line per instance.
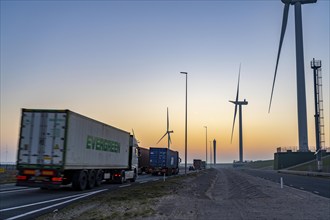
column 163, row 158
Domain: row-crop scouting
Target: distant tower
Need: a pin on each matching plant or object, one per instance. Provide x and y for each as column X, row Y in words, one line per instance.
column 210, row 153
column 318, row 99
column 215, row 151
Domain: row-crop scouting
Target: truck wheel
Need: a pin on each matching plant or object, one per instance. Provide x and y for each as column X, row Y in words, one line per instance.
column 122, row 178
column 91, row 179
column 99, row 177
column 134, row 177
column 79, row 181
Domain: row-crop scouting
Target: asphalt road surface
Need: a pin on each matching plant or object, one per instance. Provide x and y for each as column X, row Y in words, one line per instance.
column 28, row 203
column 316, row 185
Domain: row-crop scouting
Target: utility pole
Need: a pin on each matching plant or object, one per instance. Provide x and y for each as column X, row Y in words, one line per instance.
column 215, row 151
column 185, row 152
column 206, row 146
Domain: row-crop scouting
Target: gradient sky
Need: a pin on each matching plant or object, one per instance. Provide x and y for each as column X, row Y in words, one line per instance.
column 119, row 61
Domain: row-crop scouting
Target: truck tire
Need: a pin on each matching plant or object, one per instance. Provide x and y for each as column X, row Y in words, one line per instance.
column 99, row 178
column 134, row 177
column 91, row 179
column 79, row 181
column 122, row 178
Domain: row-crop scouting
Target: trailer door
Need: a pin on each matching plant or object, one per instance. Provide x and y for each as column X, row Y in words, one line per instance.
column 42, row 137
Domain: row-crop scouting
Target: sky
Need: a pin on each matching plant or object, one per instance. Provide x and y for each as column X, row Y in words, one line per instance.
column 119, row 62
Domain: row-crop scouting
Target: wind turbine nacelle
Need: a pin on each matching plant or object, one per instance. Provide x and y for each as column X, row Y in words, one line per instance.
column 292, row 2
column 243, row 102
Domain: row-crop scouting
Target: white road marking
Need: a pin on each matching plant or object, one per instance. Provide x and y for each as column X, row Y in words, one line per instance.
column 2, row 189
column 144, row 181
column 301, row 187
column 125, row 185
column 43, row 202
column 57, row 204
column 316, row 192
column 18, row 190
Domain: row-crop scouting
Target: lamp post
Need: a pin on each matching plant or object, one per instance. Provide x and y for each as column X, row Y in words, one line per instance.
column 206, row 147
column 185, row 152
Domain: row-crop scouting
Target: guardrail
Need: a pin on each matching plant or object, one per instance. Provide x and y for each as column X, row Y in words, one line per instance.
column 304, row 173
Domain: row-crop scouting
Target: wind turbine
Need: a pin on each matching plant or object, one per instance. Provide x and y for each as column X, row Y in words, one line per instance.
column 239, row 104
column 168, row 132
column 301, row 91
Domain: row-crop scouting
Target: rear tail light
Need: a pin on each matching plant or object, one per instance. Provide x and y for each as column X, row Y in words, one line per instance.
column 57, row 179
column 21, row 177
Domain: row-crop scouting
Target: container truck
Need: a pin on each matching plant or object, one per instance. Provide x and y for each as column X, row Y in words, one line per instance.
column 163, row 161
column 197, row 163
column 143, row 160
column 61, row 147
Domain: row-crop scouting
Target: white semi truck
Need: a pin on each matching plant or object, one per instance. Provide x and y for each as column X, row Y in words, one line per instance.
column 61, row 147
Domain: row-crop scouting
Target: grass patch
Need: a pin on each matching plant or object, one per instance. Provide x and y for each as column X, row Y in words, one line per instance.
column 312, row 166
column 8, row 176
column 136, row 201
column 260, row 164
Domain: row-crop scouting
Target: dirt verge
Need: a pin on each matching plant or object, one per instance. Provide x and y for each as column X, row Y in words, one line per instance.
column 210, row 194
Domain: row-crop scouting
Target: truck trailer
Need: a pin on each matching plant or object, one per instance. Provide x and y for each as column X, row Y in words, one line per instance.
column 163, row 161
column 197, row 163
column 143, row 160
column 61, row 147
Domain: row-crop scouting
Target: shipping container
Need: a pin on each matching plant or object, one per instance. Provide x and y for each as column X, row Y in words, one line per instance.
column 197, row 163
column 164, row 161
column 59, row 147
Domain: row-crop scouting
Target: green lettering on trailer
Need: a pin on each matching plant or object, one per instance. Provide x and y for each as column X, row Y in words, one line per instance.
column 90, row 141
column 101, row 144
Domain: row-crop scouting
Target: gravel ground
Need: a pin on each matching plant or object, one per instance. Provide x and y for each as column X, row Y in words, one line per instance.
column 210, row 194
column 231, row 194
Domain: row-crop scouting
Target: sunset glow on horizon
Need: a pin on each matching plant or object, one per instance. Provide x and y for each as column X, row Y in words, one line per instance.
column 119, row 62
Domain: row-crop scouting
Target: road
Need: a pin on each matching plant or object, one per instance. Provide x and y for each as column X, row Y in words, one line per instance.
column 28, row 203
column 316, row 185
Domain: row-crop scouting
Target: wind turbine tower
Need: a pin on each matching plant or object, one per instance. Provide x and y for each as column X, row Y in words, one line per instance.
column 168, row 132
column 239, row 104
column 301, row 91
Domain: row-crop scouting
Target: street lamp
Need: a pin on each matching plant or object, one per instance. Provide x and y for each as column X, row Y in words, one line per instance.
column 185, row 152
column 206, row 147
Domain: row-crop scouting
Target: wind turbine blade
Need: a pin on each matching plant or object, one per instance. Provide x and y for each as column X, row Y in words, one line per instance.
column 237, row 95
column 169, row 137
column 284, row 23
column 239, row 75
column 162, row 137
column 232, row 130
